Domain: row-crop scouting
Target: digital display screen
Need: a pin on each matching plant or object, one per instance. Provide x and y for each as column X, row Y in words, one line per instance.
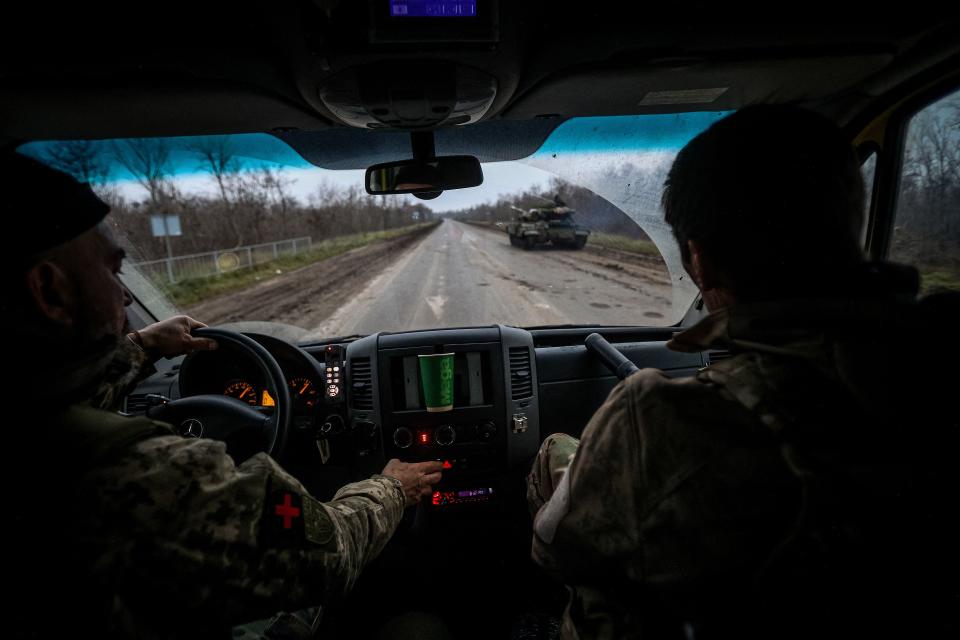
column 463, row 496
column 474, row 493
column 433, row 8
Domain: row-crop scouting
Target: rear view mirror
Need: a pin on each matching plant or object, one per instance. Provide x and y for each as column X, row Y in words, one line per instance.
column 424, row 176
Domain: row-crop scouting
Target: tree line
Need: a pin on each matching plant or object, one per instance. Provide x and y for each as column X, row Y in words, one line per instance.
column 248, row 205
column 927, row 224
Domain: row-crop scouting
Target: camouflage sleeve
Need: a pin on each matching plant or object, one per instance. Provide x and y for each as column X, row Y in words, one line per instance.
column 549, row 467
column 236, row 543
column 128, row 367
column 672, row 480
column 590, row 524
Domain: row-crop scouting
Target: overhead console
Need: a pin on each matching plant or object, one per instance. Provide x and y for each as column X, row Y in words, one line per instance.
column 409, row 64
column 492, row 426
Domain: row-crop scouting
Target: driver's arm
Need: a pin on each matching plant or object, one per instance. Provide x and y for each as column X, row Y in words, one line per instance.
column 171, row 337
column 127, row 368
column 230, row 543
column 133, row 359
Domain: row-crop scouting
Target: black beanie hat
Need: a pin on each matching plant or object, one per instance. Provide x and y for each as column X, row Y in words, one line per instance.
column 44, row 207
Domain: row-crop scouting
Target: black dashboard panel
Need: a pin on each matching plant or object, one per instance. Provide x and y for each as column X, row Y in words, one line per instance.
column 492, row 428
column 527, row 385
column 573, row 383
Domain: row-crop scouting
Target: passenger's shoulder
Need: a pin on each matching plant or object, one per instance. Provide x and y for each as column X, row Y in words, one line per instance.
column 649, row 385
column 621, row 408
column 660, row 403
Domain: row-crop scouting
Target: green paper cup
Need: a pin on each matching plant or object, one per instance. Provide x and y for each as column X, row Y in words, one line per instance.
column 436, row 379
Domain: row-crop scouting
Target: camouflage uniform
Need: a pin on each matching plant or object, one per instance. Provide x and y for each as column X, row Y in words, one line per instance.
column 156, row 535
column 685, row 496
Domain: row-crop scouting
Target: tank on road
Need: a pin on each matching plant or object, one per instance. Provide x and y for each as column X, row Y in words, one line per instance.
column 547, row 225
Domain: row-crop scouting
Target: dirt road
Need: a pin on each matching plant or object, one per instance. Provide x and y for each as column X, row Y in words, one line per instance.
column 309, row 295
column 454, row 275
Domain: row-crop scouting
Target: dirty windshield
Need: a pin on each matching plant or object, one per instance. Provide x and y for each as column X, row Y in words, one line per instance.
column 240, row 230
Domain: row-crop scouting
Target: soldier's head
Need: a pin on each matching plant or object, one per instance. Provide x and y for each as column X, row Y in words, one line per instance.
column 63, row 262
column 766, row 204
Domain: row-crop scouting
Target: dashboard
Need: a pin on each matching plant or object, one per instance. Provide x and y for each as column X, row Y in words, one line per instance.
column 315, row 381
column 357, row 404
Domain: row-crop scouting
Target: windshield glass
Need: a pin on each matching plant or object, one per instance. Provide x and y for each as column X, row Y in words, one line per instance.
column 241, row 229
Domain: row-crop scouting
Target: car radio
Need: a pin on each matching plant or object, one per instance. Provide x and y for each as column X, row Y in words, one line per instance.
column 461, row 496
column 468, row 439
column 486, row 425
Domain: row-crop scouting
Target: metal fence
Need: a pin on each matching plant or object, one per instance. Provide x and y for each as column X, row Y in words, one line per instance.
column 202, row 265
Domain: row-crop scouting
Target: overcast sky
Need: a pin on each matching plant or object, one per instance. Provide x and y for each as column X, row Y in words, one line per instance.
column 581, row 150
column 498, row 178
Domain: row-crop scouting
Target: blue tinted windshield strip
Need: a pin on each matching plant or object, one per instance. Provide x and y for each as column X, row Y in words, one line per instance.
column 600, row 134
column 184, row 156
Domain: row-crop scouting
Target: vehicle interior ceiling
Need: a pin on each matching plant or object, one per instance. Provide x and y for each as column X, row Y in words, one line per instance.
column 302, row 69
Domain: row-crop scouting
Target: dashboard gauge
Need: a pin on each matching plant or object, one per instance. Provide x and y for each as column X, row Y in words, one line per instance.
column 303, row 390
column 242, row 390
column 267, row 399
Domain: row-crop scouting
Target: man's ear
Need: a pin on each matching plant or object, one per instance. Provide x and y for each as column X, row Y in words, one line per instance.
column 700, row 267
column 53, row 293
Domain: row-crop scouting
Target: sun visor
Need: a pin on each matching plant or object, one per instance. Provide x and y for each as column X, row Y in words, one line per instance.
column 694, row 85
column 489, row 141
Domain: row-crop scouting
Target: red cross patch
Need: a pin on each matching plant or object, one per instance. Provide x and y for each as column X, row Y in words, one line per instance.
column 287, row 511
column 282, row 521
column 291, row 519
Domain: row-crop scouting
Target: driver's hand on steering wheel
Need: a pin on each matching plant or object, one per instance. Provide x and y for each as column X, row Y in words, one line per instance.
column 171, row 337
column 417, row 478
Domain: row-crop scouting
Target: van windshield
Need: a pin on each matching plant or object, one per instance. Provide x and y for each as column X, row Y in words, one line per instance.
column 241, row 230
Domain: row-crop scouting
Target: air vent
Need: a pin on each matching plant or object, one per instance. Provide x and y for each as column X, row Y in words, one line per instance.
column 716, row 356
column 521, row 378
column 136, row 403
column 361, row 384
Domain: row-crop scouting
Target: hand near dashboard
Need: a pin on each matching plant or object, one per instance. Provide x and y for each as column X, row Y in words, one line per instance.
column 171, row 337
column 417, row 478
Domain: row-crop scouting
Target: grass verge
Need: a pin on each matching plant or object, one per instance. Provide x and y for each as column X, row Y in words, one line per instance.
column 934, row 279
column 189, row 292
column 622, row 243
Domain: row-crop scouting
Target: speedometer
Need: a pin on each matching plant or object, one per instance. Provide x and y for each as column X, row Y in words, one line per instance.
column 242, row 390
column 304, row 390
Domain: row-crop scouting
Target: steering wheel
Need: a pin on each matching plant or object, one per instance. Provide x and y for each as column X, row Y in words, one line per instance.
column 245, row 430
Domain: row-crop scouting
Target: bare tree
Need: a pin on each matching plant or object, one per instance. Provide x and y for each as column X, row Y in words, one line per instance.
column 931, row 176
column 83, row 159
column 275, row 185
column 927, row 231
column 148, row 161
column 220, row 159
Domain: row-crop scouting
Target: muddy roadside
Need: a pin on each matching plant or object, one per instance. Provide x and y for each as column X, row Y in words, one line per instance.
column 643, row 266
column 307, row 296
column 639, row 265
